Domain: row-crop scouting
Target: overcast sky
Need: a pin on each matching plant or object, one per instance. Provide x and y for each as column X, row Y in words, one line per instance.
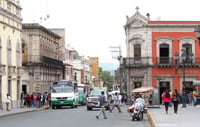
column 92, row 26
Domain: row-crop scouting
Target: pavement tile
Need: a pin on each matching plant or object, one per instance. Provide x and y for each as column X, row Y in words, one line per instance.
column 185, row 117
column 14, row 111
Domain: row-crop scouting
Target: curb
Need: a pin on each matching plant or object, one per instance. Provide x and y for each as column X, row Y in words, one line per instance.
column 15, row 113
column 151, row 119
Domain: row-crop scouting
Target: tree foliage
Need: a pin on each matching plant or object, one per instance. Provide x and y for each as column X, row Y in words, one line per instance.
column 108, row 80
column 76, row 55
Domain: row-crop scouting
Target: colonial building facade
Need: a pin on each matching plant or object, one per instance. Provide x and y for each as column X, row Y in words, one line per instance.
column 151, row 46
column 10, row 51
column 40, row 50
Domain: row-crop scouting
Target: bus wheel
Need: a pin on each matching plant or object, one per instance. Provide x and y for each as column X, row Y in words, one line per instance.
column 53, row 107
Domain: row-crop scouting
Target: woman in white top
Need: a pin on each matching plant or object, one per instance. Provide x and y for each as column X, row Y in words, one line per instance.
column 8, row 102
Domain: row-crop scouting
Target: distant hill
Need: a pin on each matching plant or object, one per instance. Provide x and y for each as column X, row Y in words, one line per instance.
column 108, row 67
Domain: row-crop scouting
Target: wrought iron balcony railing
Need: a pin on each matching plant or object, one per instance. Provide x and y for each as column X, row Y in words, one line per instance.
column 159, row 61
column 137, row 61
column 39, row 59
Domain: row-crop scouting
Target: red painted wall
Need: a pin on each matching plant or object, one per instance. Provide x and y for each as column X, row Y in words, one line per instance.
column 175, row 48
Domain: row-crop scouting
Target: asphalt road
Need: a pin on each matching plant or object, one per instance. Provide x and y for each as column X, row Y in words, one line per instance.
column 67, row 117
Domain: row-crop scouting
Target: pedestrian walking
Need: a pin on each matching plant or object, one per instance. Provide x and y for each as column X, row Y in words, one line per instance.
column 175, row 100
column 194, row 97
column 22, row 99
column 38, row 100
column 166, row 99
column 116, row 102
column 28, row 100
column 8, row 102
column 101, row 100
column 150, row 99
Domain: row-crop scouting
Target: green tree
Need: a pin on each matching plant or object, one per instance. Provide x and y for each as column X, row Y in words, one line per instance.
column 107, row 78
column 76, row 55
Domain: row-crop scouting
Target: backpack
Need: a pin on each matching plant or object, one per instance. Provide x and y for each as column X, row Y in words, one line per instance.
column 175, row 97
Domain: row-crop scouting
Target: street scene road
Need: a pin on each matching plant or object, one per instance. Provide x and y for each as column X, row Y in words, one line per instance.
column 77, row 117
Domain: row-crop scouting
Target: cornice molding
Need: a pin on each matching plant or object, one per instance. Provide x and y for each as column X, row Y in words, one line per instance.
column 164, row 37
column 187, row 38
column 10, row 15
column 11, row 26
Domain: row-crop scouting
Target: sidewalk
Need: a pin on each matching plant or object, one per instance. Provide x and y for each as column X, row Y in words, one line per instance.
column 14, row 111
column 186, row 117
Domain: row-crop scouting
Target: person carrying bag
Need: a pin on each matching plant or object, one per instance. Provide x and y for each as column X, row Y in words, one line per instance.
column 175, row 100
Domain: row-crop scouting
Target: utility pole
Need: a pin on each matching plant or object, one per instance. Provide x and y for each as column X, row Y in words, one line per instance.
column 117, row 54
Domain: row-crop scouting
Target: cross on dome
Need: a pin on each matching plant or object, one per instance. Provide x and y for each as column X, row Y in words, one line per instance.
column 137, row 8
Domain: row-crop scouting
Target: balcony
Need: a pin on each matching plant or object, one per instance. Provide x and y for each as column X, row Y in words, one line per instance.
column 39, row 59
column 164, row 62
column 137, row 62
column 160, row 62
column 11, row 70
column 2, row 69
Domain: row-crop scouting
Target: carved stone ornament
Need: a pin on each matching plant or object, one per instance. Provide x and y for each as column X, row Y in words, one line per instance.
column 136, row 37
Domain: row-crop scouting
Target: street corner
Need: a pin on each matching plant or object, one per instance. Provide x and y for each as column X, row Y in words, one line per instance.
column 151, row 119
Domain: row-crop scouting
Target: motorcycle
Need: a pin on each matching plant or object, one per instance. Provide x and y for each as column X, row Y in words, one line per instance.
column 136, row 110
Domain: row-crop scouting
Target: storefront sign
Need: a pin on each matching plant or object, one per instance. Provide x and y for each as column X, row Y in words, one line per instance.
column 193, row 72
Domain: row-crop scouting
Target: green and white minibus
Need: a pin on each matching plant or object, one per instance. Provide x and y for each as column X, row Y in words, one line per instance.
column 82, row 94
column 64, row 93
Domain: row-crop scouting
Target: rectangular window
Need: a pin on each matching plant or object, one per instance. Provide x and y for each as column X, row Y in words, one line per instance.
column 18, row 89
column 9, row 57
column 17, row 12
column 18, row 59
column 9, row 87
column 9, row 6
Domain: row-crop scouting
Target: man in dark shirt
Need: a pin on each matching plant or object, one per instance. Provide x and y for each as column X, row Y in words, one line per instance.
column 101, row 102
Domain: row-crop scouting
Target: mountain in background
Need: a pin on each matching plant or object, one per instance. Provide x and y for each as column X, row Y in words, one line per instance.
column 108, row 67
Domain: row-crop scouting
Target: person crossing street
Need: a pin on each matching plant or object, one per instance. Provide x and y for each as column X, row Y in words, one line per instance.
column 116, row 103
column 101, row 103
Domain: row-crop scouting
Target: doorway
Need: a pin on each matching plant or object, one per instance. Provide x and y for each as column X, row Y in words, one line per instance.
column 163, row 86
column 24, row 88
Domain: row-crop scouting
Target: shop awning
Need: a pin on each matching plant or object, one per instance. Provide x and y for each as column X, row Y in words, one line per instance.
column 196, row 83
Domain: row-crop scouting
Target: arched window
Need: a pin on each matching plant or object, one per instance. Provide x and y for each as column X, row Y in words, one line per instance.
column 18, row 54
column 9, row 49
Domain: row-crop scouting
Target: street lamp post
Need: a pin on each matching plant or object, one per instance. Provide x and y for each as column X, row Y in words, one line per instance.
column 75, row 76
column 183, row 58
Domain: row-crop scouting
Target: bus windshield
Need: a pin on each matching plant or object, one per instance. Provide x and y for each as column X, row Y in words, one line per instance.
column 62, row 87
